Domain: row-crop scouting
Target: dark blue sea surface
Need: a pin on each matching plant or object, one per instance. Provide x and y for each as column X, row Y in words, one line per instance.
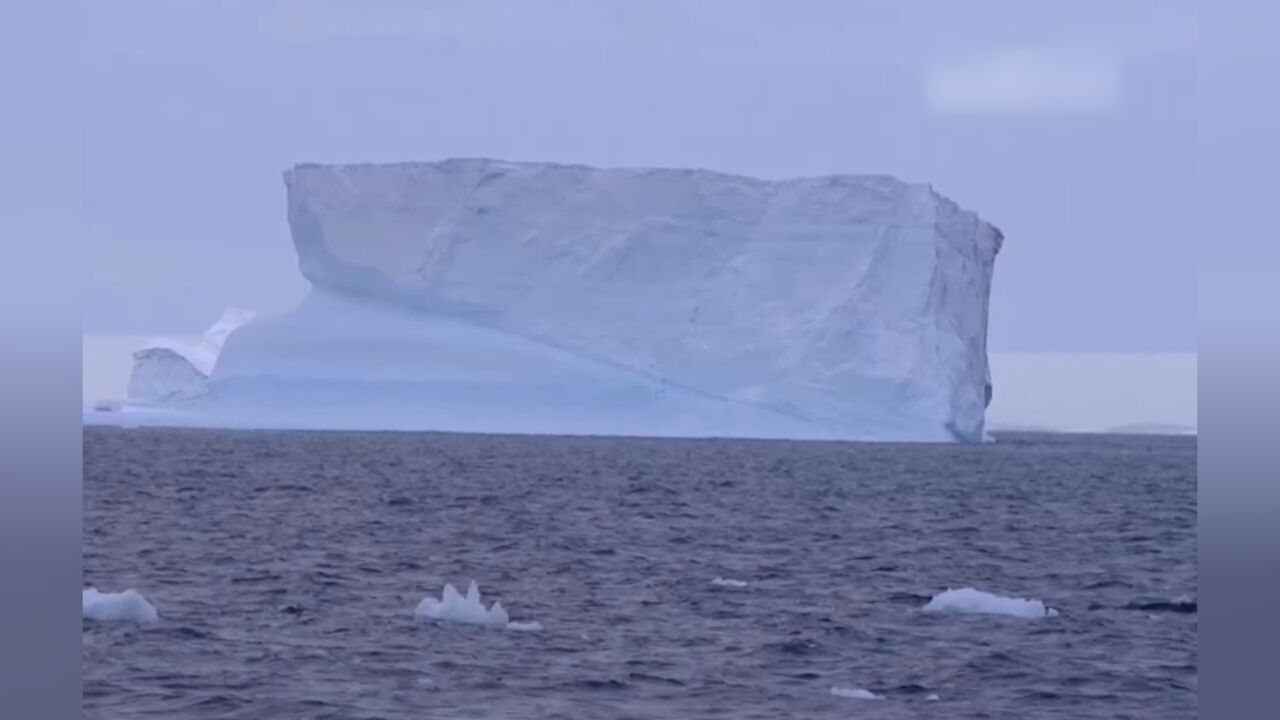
column 286, row 567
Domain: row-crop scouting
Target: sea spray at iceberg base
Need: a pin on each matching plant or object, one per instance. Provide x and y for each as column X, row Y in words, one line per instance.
column 489, row 296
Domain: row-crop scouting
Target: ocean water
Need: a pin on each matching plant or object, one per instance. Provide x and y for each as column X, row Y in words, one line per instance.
column 285, row 568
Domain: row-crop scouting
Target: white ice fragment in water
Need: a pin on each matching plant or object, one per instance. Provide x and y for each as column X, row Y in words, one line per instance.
column 728, row 582
column 531, row 626
column 933, row 697
column 855, row 693
column 127, row 606
column 969, row 600
column 453, row 607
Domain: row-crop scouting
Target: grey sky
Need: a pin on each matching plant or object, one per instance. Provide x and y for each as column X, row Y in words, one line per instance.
column 1069, row 125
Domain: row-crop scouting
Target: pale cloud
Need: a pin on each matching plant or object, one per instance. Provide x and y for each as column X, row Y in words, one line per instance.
column 1025, row 81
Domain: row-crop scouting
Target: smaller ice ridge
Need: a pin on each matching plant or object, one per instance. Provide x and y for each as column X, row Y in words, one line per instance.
column 969, row 600
column 127, row 606
column 469, row 610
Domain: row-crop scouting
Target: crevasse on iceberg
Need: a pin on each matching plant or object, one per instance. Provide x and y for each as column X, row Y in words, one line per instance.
column 480, row 295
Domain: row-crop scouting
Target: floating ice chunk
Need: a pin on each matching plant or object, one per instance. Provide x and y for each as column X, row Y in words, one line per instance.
column 127, row 606
column 175, row 373
column 453, row 607
column 933, row 697
column 728, row 582
column 855, row 693
column 969, row 600
column 531, row 626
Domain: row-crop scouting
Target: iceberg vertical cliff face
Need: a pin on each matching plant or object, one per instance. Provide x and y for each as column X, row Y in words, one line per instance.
column 528, row 297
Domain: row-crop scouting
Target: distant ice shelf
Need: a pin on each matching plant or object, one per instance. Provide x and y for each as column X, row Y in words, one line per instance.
column 489, row 296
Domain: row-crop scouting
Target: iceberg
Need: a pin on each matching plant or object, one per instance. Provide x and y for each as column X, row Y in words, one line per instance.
column 127, row 606
column 469, row 610
column 517, row 297
column 969, row 600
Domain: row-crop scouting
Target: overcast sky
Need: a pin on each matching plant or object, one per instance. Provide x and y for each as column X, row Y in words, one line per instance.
column 1071, row 126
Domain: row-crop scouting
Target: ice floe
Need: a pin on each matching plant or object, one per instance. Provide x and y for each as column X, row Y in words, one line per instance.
column 531, row 626
column 127, row 606
column 729, row 582
column 969, row 600
column 855, row 693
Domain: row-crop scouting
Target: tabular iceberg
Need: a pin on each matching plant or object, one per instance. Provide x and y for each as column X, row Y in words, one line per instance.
column 481, row 295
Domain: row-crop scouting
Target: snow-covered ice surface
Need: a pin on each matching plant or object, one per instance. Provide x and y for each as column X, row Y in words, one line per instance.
column 127, row 606
column 491, row 296
column 457, row 608
column 969, row 600
column 855, row 693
